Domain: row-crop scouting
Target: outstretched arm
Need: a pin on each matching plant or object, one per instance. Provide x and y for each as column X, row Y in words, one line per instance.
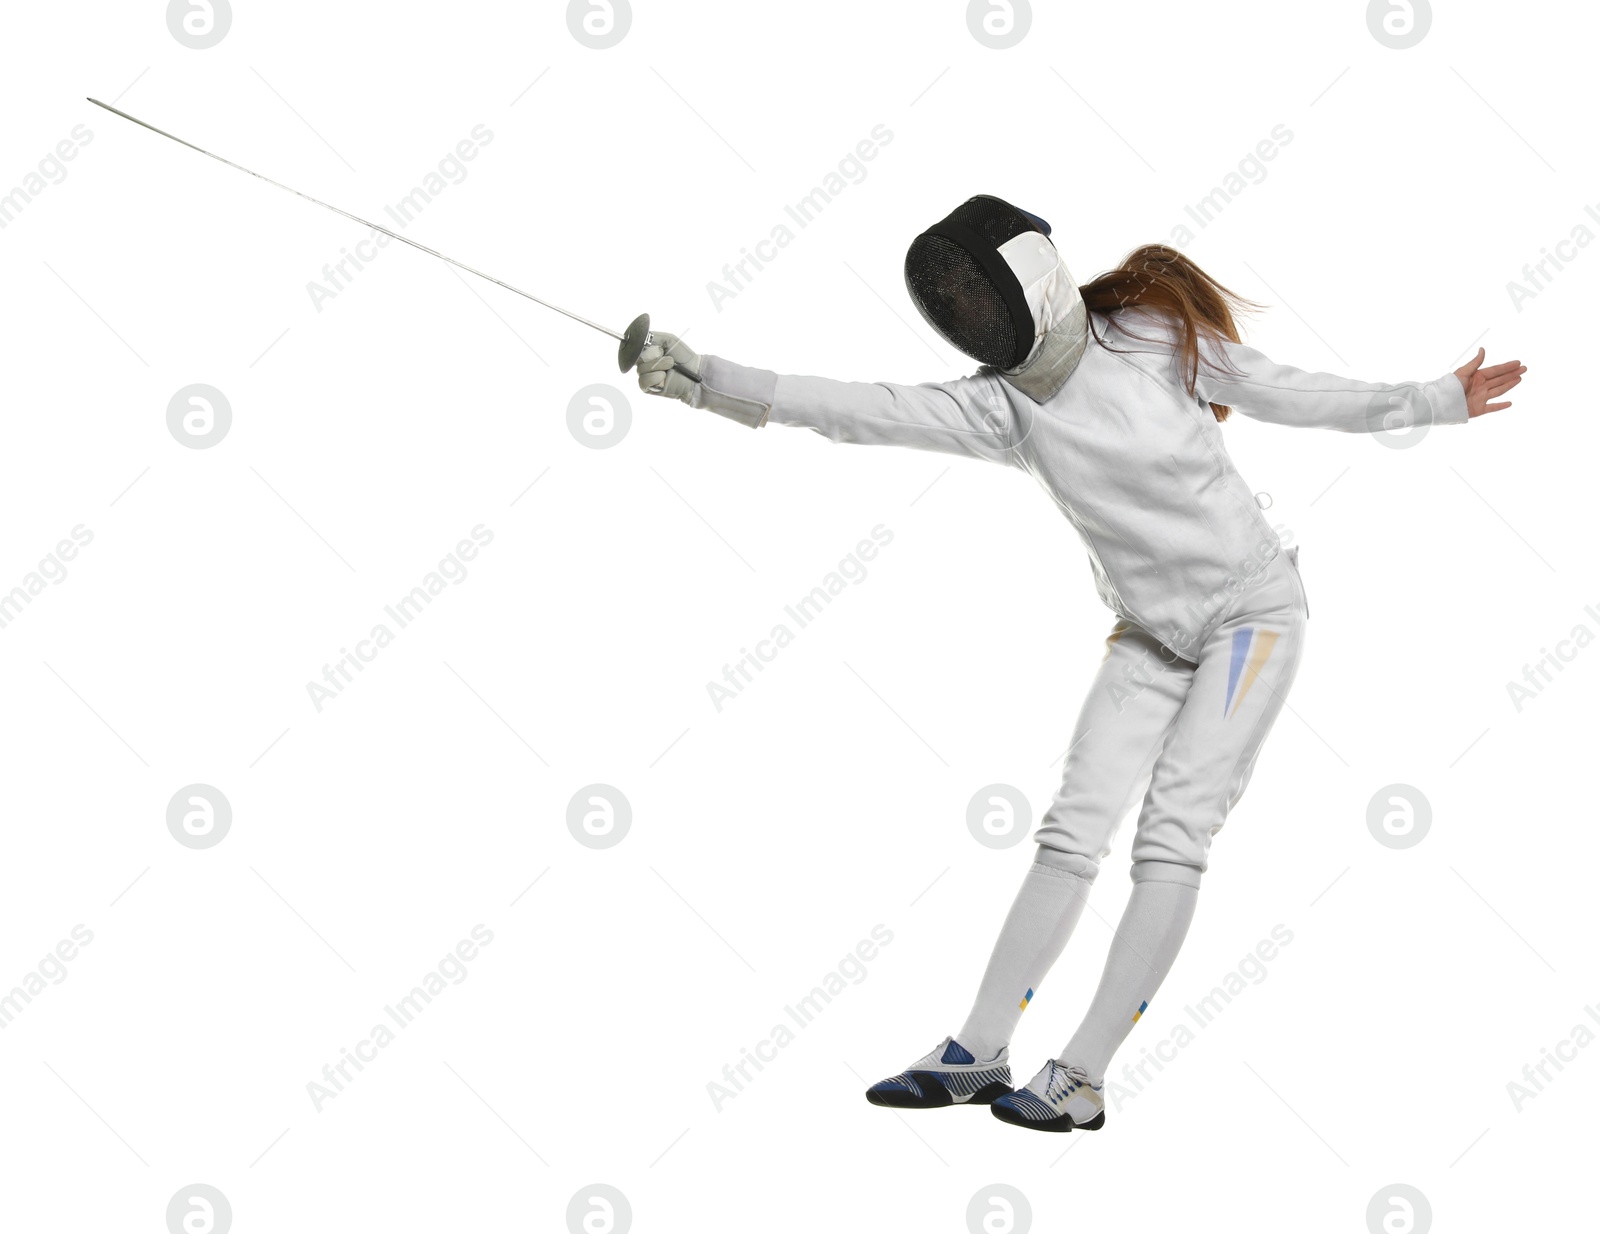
column 969, row 416
column 1284, row 395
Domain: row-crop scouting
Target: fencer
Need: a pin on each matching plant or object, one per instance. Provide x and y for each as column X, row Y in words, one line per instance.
column 1112, row 397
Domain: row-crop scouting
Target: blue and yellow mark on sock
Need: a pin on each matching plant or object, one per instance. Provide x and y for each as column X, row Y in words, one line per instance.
column 1026, row 999
column 1140, row 1012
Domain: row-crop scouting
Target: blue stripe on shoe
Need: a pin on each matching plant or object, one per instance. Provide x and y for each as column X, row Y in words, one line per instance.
column 956, row 1053
column 965, row 1083
column 958, row 1083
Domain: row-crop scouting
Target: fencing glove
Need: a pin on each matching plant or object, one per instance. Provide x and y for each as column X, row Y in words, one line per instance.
column 670, row 368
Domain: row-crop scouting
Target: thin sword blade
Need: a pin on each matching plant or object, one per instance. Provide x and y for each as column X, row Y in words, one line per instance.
column 355, row 218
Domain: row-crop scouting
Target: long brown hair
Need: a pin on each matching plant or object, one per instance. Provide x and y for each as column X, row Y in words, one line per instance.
column 1163, row 280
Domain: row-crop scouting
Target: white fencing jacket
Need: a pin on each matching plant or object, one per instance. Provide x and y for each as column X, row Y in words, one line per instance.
column 1132, row 459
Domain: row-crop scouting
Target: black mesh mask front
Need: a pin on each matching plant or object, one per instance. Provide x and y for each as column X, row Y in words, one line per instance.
column 963, row 287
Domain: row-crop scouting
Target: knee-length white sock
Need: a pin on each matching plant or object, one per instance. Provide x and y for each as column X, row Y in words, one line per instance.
column 1148, row 938
column 1036, row 929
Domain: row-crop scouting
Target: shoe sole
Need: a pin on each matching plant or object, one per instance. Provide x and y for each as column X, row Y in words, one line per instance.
column 1060, row 1123
column 899, row 1099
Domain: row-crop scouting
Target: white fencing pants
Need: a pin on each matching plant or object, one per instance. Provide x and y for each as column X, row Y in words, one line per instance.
column 1184, row 736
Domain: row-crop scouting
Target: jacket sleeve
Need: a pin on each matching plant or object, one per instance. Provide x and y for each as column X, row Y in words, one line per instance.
column 971, row 416
column 1264, row 390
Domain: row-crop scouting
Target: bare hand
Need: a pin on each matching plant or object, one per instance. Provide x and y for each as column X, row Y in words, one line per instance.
column 1483, row 384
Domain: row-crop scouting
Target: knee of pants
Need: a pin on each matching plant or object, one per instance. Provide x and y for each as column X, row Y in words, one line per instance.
column 1085, row 822
column 1167, row 872
column 1175, row 836
column 1170, row 857
column 1078, row 864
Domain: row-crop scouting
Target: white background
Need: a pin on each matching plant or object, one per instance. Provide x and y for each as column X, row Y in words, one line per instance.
column 767, row 839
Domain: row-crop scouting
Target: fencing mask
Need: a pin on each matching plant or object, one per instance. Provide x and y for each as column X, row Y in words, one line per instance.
column 989, row 280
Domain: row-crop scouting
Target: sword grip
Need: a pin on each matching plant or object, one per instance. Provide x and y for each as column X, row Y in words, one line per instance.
column 682, row 368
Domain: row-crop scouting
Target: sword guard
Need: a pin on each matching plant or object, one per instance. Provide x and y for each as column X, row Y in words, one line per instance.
column 634, row 340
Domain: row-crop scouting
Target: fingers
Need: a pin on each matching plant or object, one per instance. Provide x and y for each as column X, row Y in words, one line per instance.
column 1495, row 382
column 653, row 367
column 1471, row 366
column 658, row 363
column 1495, row 407
column 660, row 377
column 665, row 367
